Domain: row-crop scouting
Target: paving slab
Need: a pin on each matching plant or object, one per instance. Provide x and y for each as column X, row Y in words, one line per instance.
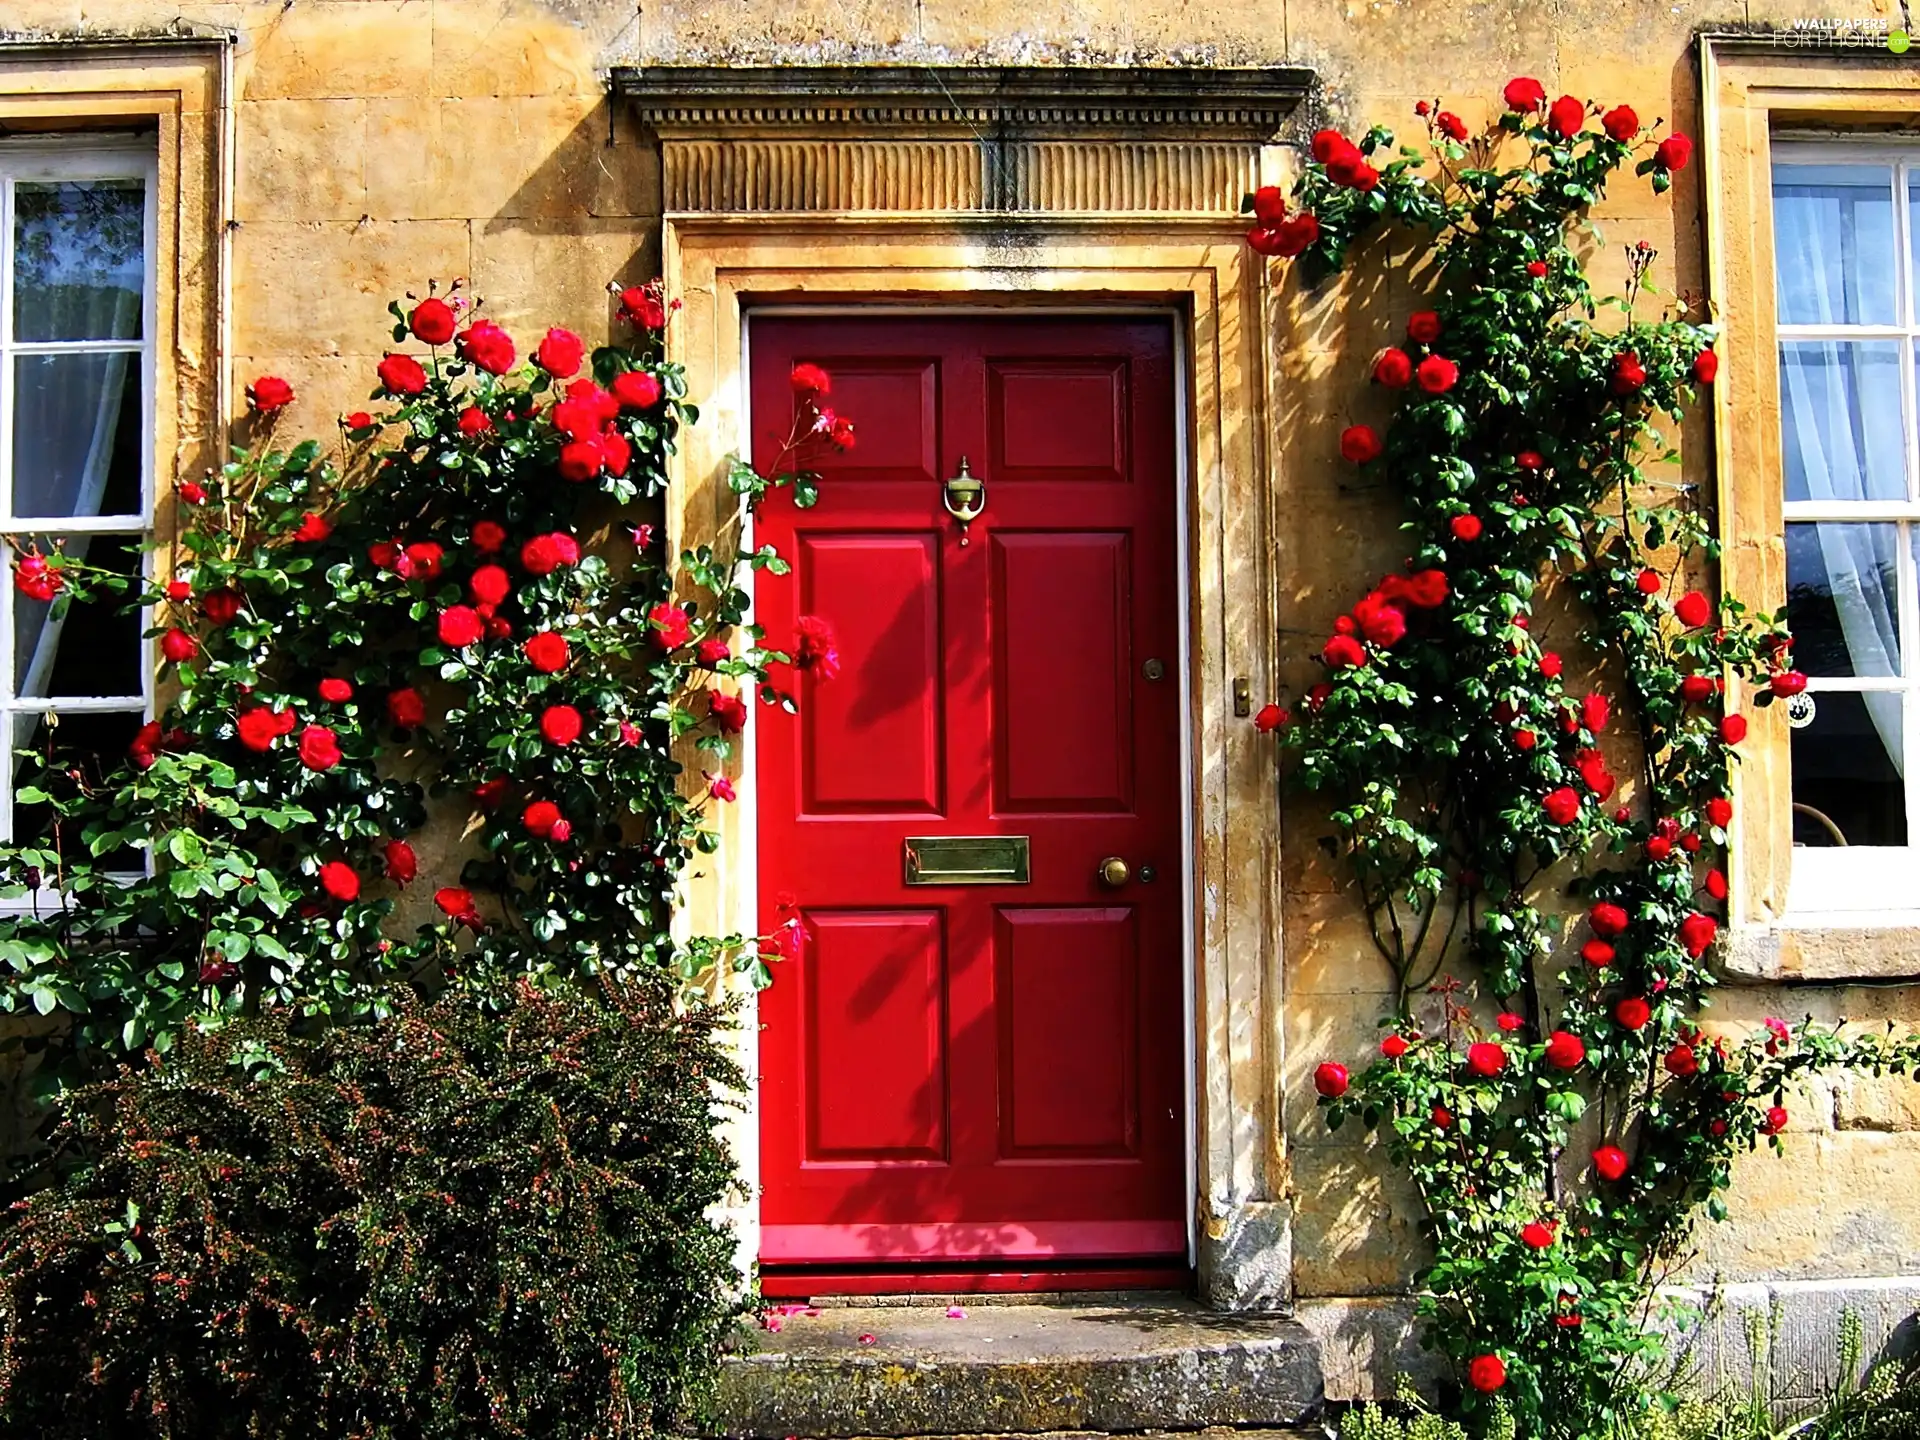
column 985, row 1369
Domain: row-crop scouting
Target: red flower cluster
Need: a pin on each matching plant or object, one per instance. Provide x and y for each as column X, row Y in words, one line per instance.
column 585, row 422
column 1381, row 616
column 1277, row 233
column 1346, row 165
column 34, row 578
column 485, row 346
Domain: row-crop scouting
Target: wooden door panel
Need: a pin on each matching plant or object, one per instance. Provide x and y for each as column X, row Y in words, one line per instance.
column 1057, row 420
column 876, row 1074
column 1069, row 982
column 954, row 1073
column 1063, row 730
column 870, row 738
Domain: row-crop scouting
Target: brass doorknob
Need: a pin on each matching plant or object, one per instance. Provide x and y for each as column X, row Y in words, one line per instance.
column 1114, row 872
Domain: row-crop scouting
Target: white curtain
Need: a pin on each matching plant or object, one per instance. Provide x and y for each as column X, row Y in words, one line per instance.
column 1840, row 403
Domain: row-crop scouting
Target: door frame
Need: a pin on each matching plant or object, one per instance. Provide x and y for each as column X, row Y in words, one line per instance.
column 722, row 267
column 1118, row 309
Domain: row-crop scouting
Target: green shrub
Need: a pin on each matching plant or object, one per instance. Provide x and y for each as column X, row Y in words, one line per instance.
column 463, row 1220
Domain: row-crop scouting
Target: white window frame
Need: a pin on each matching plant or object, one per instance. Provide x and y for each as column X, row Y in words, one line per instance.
column 72, row 158
column 1868, row 884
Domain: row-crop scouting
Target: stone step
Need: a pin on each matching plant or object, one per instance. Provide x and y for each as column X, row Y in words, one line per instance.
column 1137, row 1366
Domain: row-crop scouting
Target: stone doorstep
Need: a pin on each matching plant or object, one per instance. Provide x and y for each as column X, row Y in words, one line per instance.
column 1144, row 1365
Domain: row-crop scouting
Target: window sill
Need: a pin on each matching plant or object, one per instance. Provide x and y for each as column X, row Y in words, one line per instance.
column 1828, row 947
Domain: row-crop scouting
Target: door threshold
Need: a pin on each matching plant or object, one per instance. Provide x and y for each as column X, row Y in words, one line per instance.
column 908, row 1286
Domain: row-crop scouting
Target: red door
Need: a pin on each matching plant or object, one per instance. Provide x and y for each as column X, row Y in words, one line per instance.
column 959, row 1074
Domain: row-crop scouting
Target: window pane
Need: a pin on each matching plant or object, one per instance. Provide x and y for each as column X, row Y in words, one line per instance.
column 1833, row 244
column 77, row 436
column 1846, row 772
column 1840, row 420
column 79, row 260
column 89, row 650
column 97, row 743
column 1843, row 598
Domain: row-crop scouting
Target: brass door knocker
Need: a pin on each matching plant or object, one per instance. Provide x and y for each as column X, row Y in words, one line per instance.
column 965, row 496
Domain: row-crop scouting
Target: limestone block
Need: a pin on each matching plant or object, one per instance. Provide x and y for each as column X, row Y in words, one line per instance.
column 1246, row 1257
column 511, row 47
column 323, row 287
column 745, row 32
column 1367, row 1344
column 1887, row 1102
column 352, row 48
column 1331, row 962
column 301, row 160
column 1356, row 1223
column 539, row 273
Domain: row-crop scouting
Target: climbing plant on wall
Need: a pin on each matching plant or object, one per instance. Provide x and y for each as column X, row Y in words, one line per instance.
column 1562, row 1147
column 444, row 658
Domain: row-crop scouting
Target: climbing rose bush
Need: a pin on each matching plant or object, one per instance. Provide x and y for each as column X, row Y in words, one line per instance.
column 447, row 618
column 1563, row 1147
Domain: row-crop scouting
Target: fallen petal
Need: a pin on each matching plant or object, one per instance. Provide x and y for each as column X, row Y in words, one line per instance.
column 954, row 1312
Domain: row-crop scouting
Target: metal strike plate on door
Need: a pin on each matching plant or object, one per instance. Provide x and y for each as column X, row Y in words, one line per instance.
column 967, row 860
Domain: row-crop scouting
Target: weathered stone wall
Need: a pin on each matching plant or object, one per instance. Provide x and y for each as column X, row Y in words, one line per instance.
column 382, row 142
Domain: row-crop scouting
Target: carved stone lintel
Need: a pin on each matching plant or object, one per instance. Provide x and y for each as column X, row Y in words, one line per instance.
column 981, row 140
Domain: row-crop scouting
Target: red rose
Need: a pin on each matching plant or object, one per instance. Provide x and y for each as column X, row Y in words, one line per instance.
column 1706, row 367
column 490, row 585
column 1537, row 269
column 1562, row 805
column 636, row 389
column 1674, row 152
column 1692, row 610
column 457, row 903
column 1564, row 1051
column 1426, row 589
column 385, row 554
column 1682, row 1062
column 460, row 627
column 1621, row 123
column 1551, row 665
column 1293, row 235
column 816, row 647
column 1358, row 444
column 810, row 380
column 402, row 864
column 1381, row 623
column 728, row 712
column 1354, row 171
column 36, row 579
column 1524, row 93
column 1648, row 582
column 1695, row 688
column 432, row 321
column 339, row 881
column 489, row 793
column 1697, row 932
column 1330, row 1079
column 1393, row 369
column 559, row 353
column 221, row 606
column 560, row 724
column 474, row 421
column 269, row 393
column 1659, row 847
column 540, row 556
column 485, row 346
column 1509, row 1022
column 313, row 528
column 406, row 709
column 1529, row 460
column 565, row 547
column 1450, row 125
column 540, row 818
column 1270, row 718
column 721, row 788
column 1592, row 766
column 1535, row 1235
column 1633, row 1012
column 258, row 728
column 192, row 492
column 1328, row 145
column 1465, row 528
column 711, row 651
column 1610, row 1162
column 1394, row 1046
column 358, row 420
column 1487, row 1373
column 1597, row 953
column 643, row 307
column 336, row 692
column 1717, row 884
column 1484, row 1058
column 1733, row 729
column 1776, row 1121
column 670, row 626
column 580, row 460
column 1628, row 373
column 1567, row 117
column 1595, row 712
column 1436, row 374
column 1607, row 919
column 178, row 646
column 1720, row 811
column 1786, row 683
column 401, row 375
column 1269, row 205
column 1525, row 739
column 1343, row 652
column 319, row 748
column 840, row 432
column 488, row 536
column 1442, row 1117
column 423, row 559
column 547, row 652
